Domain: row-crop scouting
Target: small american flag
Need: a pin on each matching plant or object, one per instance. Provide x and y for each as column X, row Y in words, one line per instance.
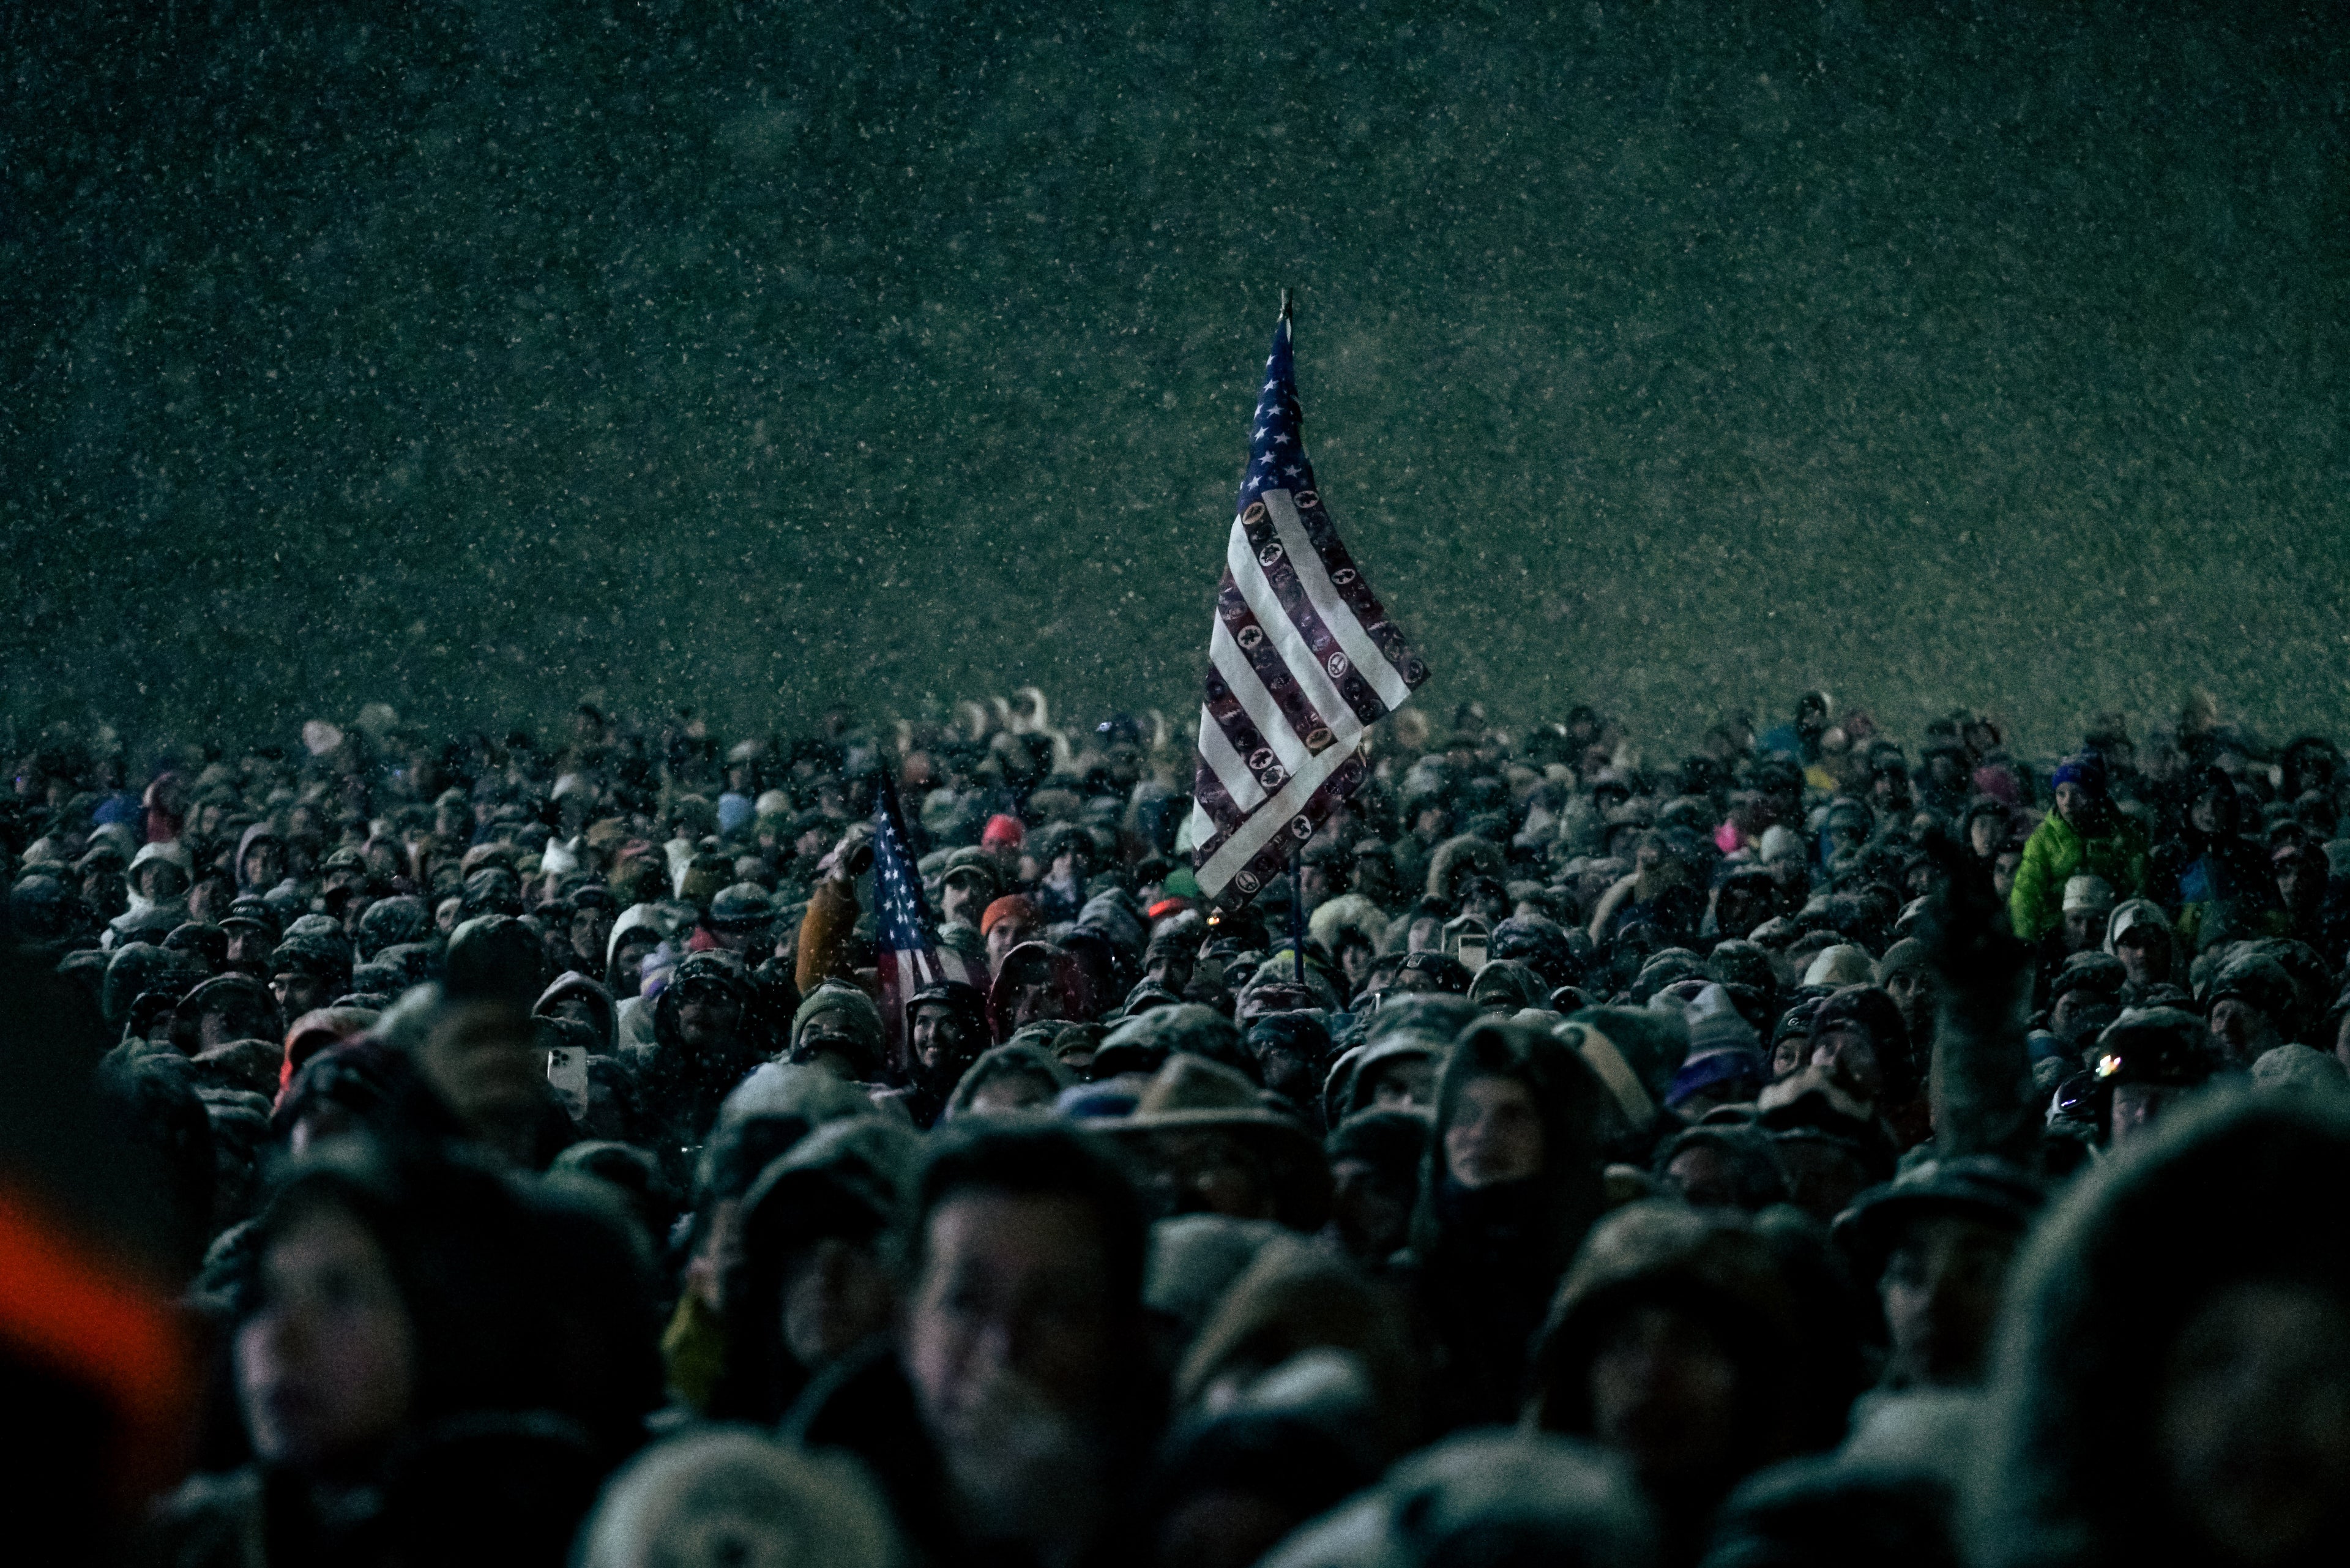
column 1302, row 662
column 906, row 957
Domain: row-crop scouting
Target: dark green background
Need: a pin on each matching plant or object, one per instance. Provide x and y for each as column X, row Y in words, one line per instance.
column 1669, row 356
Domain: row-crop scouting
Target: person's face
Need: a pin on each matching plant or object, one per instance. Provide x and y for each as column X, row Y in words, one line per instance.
column 2134, row 1108
column 1941, row 1291
column 1012, row 1287
column 2083, row 930
column 326, row 1366
column 298, row 993
column 750, row 940
column 1409, row 1081
column 1664, row 1393
column 2146, row 959
column 575, row 1006
column 1008, row 1094
column 1036, row 999
column 1369, row 1214
column 446, row 915
column 1431, row 821
column 2002, row 872
column 2251, row 1426
column 707, row 1015
column 1850, row 1056
column 633, row 953
column 1355, row 960
column 2072, row 799
column 1002, row 937
column 1171, row 965
column 1912, row 991
column 1985, row 834
column 1314, row 884
column 1495, row 1134
column 591, row 928
column 238, row 1017
column 1209, row 1172
column 2206, row 814
column 160, row 879
column 2294, row 884
column 835, row 1297
column 936, row 1035
column 248, row 948
column 264, row 864
column 962, row 898
column 1286, row 1072
column 2241, row 1029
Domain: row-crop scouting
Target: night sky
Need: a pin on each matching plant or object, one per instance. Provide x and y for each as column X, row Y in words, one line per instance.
column 1670, row 357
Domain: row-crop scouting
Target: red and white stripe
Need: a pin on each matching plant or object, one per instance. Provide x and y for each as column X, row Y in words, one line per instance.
column 1303, row 660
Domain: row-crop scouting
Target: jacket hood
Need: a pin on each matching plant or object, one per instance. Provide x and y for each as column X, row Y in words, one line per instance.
column 572, row 983
column 2207, row 1199
column 1716, row 1264
column 1297, row 1296
column 1570, row 1189
column 257, row 832
column 1005, row 1061
column 635, row 917
column 1017, row 962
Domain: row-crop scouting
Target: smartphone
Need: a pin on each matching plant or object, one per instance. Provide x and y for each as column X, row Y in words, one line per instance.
column 567, row 1073
column 1473, row 951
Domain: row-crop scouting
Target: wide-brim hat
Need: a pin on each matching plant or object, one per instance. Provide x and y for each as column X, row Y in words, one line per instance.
column 1190, row 1094
column 1974, row 1187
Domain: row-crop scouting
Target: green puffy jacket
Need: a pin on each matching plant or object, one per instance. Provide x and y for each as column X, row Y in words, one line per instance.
column 2056, row 853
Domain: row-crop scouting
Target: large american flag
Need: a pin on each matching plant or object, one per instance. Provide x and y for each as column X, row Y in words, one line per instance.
column 906, row 958
column 1302, row 662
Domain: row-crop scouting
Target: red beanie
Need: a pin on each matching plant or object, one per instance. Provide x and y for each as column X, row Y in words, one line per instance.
column 1011, row 907
column 1003, row 829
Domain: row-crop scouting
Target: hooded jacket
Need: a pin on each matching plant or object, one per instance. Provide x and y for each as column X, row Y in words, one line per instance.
column 1715, row 1265
column 2068, row 1475
column 571, row 984
column 1003, row 991
column 635, row 917
column 2058, row 852
column 1486, row 1259
column 681, row 1088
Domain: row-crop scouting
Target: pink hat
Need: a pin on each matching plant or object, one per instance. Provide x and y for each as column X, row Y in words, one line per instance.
column 1003, row 829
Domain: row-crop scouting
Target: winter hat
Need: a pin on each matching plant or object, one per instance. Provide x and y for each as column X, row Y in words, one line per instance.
column 1193, row 1095
column 1976, row 1187
column 2259, row 982
column 1142, row 1044
column 735, row 814
column 2090, row 895
column 2131, row 915
column 1715, row 1023
column 1841, row 965
column 2299, row 1070
column 1003, row 830
column 1012, row 906
column 834, row 1014
column 495, row 957
column 1508, row 984
column 2086, row 769
column 717, row 1495
column 2099, row 973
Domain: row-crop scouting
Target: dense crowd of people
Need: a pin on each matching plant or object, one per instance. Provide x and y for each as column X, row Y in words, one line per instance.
column 1813, row 1149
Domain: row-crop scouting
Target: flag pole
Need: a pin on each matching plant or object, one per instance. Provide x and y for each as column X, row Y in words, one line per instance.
column 1298, row 911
